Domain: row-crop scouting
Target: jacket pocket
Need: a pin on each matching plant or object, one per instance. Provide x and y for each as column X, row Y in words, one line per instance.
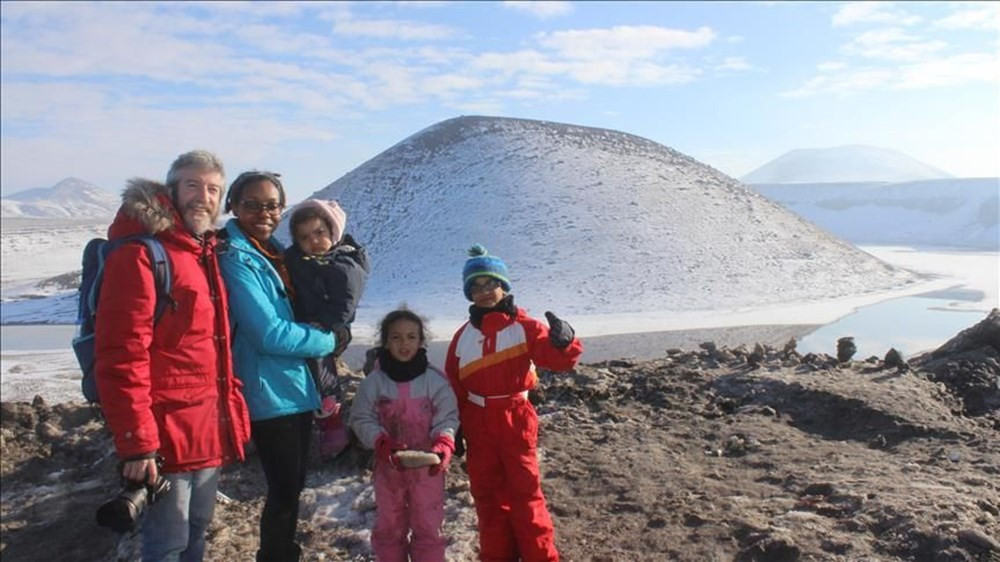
column 183, row 436
column 525, row 421
column 176, row 320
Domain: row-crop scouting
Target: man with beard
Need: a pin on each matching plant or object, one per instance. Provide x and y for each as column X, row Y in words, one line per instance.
column 167, row 388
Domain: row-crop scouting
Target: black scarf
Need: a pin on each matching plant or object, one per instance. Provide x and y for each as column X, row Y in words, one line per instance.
column 506, row 306
column 399, row 371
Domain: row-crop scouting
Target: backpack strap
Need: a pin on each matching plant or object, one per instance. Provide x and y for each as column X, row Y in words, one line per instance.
column 162, row 276
column 162, row 273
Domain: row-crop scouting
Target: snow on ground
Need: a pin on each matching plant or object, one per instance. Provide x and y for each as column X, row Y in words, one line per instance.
column 50, row 369
column 955, row 213
column 53, row 374
column 35, row 249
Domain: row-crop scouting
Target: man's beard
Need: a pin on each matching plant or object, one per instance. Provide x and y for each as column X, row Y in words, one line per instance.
column 199, row 222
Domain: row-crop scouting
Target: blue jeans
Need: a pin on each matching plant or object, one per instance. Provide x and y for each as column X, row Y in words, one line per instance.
column 173, row 528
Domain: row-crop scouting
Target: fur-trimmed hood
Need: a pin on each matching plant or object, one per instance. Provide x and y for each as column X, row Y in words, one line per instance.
column 148, row 203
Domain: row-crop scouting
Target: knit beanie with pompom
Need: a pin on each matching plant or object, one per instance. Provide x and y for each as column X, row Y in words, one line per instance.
column 481, row 264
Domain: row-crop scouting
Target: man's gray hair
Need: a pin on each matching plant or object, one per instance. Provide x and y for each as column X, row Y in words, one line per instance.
column 198, row 159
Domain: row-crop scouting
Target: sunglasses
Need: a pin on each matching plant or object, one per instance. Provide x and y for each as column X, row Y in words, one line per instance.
column 271, row 207
column 485, row 287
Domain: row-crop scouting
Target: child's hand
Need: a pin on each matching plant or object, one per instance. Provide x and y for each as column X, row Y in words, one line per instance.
column 385, row 450
column 343, row 335
column 443, row 446
column 560, row 332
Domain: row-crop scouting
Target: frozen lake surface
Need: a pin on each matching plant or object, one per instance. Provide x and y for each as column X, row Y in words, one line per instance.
column 962, row 288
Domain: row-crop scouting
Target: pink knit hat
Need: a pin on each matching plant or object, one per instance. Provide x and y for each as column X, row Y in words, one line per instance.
column 330, row 211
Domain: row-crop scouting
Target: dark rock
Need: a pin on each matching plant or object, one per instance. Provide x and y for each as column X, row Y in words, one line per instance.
column 819, row 489
column 894, row 360
column 969, row 365
column 984, row 334
column 846, row 349
column 980, row 539
column 789, row 347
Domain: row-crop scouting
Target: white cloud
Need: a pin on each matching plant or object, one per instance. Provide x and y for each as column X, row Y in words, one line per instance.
column 892, row 44
column 449, row 85
column 421, row 4
column 843, row 84
column 972, row 16
column 514, row 63
column 958, row 69
column 831, row 66
column 635, row 73
column 86, row 127
column 624, row 42
column 394, row 29
column 734, row 63
column 480, row 107
column 853, row 13
column 540, row 9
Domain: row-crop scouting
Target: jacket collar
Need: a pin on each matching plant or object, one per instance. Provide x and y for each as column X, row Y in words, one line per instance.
column 492, row 320
column 238, row 239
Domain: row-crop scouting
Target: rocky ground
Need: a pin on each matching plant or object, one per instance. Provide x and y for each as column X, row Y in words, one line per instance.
column 713, row 453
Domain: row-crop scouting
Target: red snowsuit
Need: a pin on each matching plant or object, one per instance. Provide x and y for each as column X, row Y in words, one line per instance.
column 491, row 370
column 170, row 388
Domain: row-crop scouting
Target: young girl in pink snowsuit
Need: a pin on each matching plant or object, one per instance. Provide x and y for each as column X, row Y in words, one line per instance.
column 406, row 404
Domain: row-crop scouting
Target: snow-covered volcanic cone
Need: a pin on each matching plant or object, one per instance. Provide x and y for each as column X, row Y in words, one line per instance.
column 590, row 221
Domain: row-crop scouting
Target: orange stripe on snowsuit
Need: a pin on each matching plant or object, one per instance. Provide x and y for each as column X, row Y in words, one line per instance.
column 492, row 359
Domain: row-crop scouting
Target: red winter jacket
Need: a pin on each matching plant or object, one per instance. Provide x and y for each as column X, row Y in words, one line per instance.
column 168, row 389
column 499, row 359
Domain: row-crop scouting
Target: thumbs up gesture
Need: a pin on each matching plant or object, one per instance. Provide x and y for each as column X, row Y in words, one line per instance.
column 560, row 332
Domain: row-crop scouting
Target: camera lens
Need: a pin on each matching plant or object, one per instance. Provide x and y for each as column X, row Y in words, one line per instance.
column 119, row 514
column 122, row 512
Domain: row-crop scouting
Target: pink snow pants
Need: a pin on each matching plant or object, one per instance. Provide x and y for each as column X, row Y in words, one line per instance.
column 410, row 499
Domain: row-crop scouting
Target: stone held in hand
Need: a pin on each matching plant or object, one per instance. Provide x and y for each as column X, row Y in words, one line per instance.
column 417, row 459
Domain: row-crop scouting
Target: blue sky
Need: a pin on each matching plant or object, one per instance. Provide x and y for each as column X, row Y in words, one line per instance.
column 108, row 91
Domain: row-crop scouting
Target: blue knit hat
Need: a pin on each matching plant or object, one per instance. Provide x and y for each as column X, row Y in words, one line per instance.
column 482, row 264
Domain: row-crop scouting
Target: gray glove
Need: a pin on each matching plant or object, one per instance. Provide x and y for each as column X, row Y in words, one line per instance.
column 560, row 332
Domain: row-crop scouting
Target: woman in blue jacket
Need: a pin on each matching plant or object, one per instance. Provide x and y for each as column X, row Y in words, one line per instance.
column 269, row 353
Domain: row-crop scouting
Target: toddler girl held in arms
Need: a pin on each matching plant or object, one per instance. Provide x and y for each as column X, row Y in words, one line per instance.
column 328, row 270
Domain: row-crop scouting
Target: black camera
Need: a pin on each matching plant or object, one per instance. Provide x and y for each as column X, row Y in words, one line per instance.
column 122, row 512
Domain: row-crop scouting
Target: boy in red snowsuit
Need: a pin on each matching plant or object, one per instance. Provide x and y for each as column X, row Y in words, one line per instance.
column 491, row 365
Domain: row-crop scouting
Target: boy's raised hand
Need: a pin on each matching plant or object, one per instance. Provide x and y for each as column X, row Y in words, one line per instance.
column 560, row 332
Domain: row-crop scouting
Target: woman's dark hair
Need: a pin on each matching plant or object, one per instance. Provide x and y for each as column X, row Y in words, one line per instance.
column 396, row 316
column 303, row 214
column 235, row 194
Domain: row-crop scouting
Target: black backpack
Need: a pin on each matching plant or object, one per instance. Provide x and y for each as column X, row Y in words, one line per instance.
column 94, row 256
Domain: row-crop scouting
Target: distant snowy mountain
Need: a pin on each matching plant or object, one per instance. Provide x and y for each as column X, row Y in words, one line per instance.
column 70, row 198
column 852, row 163
column 947, row 212
column 590, row 221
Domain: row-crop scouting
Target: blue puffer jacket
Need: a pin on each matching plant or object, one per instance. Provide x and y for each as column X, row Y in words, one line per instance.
column 269, row 347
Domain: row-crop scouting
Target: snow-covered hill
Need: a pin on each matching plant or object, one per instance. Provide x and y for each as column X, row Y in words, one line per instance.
column 945, row 213
column 852, row 163
column 70, row 198
column 590, row 222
